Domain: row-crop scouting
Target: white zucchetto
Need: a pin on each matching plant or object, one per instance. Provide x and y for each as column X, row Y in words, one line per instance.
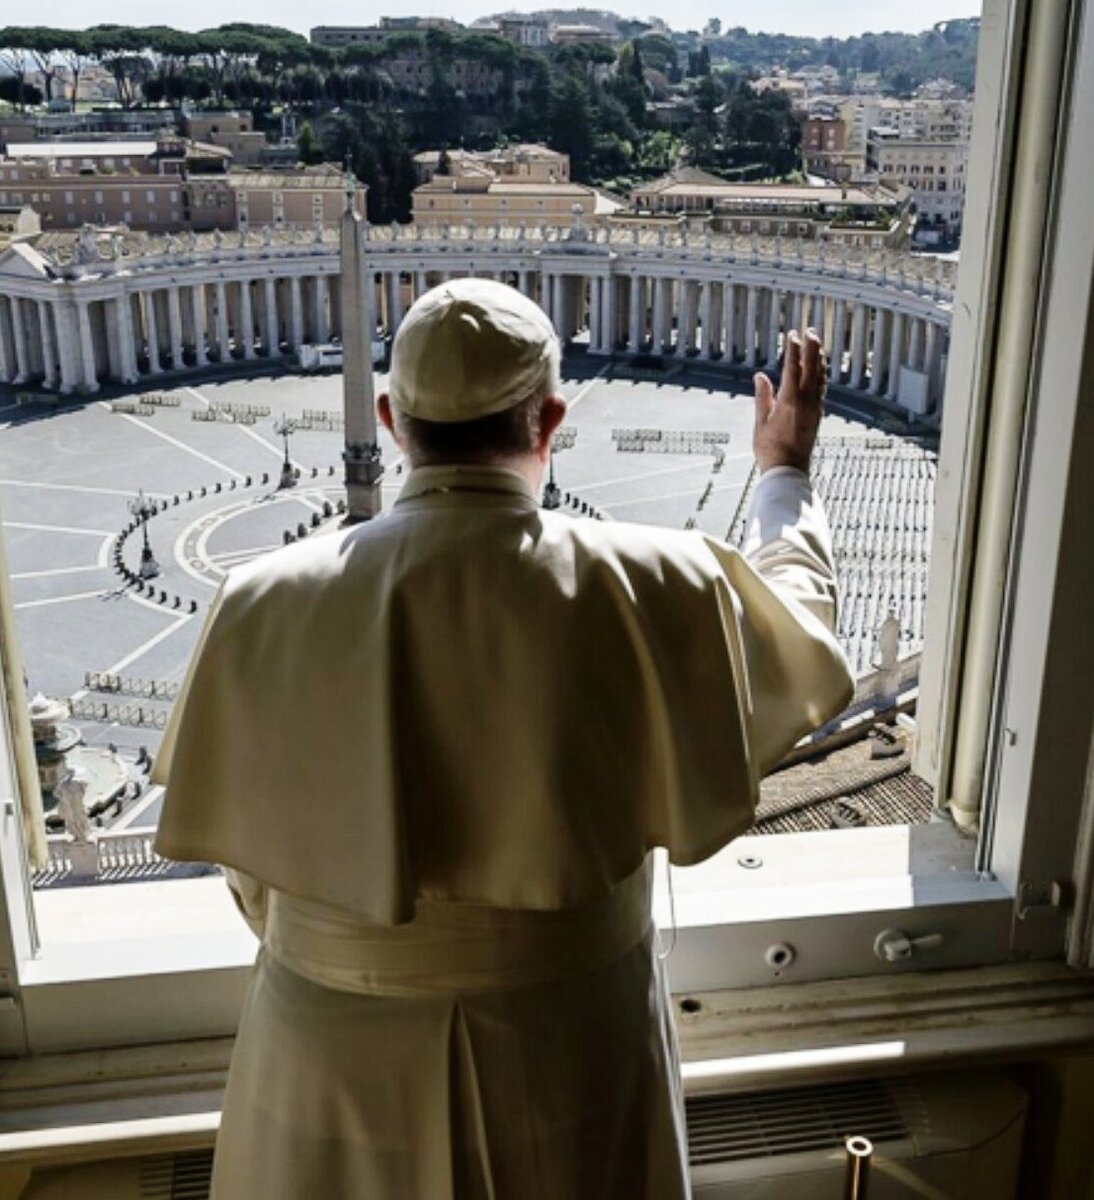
column 467, row 349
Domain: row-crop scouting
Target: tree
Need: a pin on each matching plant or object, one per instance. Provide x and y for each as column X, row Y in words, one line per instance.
column 570, row 123
column 702, row 137
column 307, row 145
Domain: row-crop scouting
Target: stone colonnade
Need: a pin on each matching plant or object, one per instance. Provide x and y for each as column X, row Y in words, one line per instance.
column 80, row 337
column 880, row 340
column 876, row 347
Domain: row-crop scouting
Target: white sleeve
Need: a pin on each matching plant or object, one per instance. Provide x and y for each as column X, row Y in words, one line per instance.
column 788, row 542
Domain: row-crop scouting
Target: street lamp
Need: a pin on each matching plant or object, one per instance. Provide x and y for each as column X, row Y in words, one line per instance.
column 284, row 430
column 142, row 508
column 552, row 493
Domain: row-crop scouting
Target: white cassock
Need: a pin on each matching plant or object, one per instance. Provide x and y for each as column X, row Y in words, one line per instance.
column 434, row 752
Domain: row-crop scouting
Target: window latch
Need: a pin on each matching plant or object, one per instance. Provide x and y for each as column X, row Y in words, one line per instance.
column 893, row 945
column 1034, row 897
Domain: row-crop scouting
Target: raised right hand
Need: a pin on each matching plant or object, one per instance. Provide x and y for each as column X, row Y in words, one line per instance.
column 787, row 422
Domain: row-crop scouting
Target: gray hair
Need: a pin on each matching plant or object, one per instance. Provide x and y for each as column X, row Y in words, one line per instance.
column 507, row 434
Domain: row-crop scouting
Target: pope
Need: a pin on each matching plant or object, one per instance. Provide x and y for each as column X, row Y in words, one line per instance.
column 434, row 753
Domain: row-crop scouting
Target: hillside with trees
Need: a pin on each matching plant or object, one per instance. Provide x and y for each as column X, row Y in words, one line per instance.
column 375, row 105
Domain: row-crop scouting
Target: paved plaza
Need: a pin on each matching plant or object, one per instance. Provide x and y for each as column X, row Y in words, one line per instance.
column 69, row 472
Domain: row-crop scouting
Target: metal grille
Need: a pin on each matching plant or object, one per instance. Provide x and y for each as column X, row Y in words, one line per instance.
column 185, row 1176
column 903, row 800
column 768, row 1124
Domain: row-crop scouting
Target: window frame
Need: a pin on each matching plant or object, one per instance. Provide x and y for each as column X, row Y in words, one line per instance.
column 49, row 1001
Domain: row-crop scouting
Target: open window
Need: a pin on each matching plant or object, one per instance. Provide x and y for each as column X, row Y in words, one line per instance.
column 1004, row 703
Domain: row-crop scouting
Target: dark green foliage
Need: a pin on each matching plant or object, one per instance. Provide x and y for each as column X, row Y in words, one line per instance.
column 570, row 123
column 478, row 90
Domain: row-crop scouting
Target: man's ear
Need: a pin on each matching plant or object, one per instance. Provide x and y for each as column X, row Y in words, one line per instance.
column 387, row 419
column 551, row 415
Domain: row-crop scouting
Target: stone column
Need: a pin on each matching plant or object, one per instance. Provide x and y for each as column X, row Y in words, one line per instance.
column 658, row 346
column 796, row 312
column 896, row 336
column 730, row 320
column 558, row 308
column 127, row 338
column 610, row 302
column 49, row 356
column 858, row 346
column 675, row 301
column 751, row 314
column 174, row 326
column 706, row 319
column 421, row 284
column 915, row 344
column 7, row 345
column 877, row 352
column 394, row 302
column 595, row 332
column 523, row 281
column 771, row 357
column 224, row 348
column 296, row 315
column 635, row 331
column 152, row 332
column 87, row 348
column 271, row 338
column 322, row 325
column 931, row 355
column 245, row 335
column 839, row 336
column 7, row 350
column 197, row 301
column 68, row 346
column 546, row 295
column 22, row 342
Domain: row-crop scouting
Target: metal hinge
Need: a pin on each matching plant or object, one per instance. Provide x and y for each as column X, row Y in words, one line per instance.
column 1044, row 897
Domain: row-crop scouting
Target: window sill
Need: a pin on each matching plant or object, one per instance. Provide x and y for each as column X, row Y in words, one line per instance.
column 94, row 1105
column 139, row 963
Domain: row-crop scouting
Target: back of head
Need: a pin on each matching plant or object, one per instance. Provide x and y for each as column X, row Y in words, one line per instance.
column 469, row 349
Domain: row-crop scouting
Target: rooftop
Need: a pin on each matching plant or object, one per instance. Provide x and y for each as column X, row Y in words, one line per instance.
column 115, row 149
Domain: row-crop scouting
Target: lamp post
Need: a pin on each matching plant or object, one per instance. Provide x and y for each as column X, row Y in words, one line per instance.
column 552, row 493
column 142, row 508
column 284, row 429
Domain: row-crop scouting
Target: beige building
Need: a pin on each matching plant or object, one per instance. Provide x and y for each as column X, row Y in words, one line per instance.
column 526, row 162
column 233, row 131
column 933, row 170
column 854, row 215
column 922, row 119
column 484, row 199
column 128, row 184
column 525, row 183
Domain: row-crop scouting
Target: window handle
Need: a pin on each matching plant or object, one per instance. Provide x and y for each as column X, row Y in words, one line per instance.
column 893, row 945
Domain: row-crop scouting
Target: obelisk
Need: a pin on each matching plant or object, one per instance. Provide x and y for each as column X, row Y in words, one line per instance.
column 364, row 470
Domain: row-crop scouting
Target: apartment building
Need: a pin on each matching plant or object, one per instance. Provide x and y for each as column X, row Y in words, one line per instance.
column 141, row 186
column 865, row 216
column 933, row 170
column 522, row 184
column 231, row 130
column 374, row 35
